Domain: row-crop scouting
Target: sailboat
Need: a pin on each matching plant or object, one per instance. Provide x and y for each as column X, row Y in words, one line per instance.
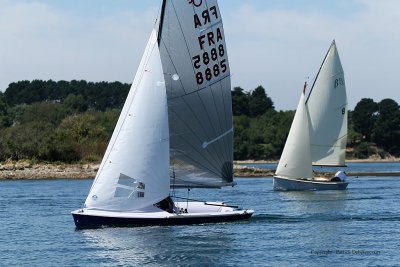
column 174, row 131
column 318, row 134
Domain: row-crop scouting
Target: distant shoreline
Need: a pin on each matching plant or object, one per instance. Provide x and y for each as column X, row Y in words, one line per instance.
column 369, row 160
column 23, row 170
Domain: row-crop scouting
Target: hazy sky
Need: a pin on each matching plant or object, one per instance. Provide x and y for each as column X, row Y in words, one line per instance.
column 274, row 43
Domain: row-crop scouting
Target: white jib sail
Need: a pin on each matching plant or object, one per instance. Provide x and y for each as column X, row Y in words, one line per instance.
column 295, row 160
column 327, row 106
column 134, row 172
column 197, row 76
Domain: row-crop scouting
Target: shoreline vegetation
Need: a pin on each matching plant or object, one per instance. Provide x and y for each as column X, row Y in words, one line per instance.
column 61, row 129
column 25, row 170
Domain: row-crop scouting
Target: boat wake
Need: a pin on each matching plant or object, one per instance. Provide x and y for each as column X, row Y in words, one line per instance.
column 276, row 218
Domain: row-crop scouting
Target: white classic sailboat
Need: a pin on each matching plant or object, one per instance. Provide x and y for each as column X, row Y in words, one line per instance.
column 175, row 129
column 318, row 134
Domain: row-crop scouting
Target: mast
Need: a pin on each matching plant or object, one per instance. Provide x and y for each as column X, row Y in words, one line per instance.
column 326, row 55
column 160, row 27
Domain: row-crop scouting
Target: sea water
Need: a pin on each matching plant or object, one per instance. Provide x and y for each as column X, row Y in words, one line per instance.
column 356, row 227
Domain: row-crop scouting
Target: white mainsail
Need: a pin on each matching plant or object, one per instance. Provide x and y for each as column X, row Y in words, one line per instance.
column 197, row 76
column 135, row 169
column 327, row 107
column 295, row 161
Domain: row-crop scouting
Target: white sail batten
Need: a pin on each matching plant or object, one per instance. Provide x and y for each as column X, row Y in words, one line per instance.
column 295, row 161
column 327, row 106
column 134, row 169
column 197, row 77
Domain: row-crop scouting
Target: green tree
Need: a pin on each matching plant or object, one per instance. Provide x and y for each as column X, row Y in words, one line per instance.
column 3, row 105
column 44, row 111
column 241, row 125
column 98, row 96
column 34, row 140
column 364, row 117
column 4, row 118
column 240, row 102
column 89, row 136
column 386, row 132
column 363, row 150
column 75, row 103
column 259, row 102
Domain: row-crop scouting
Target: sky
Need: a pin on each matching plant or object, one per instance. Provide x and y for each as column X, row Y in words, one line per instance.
column 274, row 43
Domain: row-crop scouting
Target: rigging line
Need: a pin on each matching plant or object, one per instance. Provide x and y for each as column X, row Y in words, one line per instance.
column 319, row 71
column 192, row 185
column 174, row 178
column 146, row 58
column 201, row 154
column 187, row 200
column 191, row 199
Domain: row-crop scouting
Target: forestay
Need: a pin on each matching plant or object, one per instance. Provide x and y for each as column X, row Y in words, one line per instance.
column 197, row 77
column 295, row 161
column 327, row 106
column 134, row 171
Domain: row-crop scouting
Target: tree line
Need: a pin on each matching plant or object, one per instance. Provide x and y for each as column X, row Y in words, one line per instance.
column 73, row 121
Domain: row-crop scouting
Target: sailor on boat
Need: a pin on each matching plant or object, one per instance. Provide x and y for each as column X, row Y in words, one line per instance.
column 340, row 176
column 166, row 204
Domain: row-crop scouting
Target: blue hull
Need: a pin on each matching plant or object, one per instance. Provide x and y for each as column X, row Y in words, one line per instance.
column 286, row 184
